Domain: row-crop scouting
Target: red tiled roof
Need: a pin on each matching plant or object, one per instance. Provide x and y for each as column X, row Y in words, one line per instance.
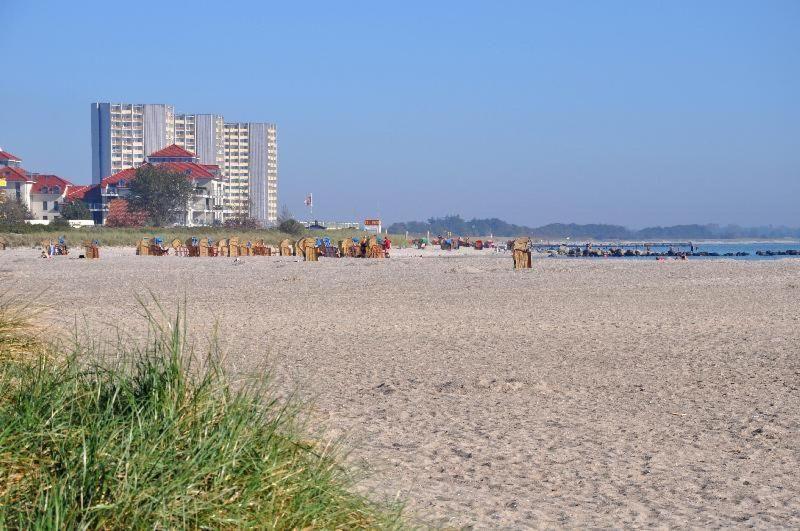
column 213, row 169
column 190, row 169
column 10, row 173
column 5, row 155
column 42, row 181
column 78, row 192
column 174, row 151
column 125, row 175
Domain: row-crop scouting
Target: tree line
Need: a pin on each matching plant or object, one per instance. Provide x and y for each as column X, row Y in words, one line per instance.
column 596, row 231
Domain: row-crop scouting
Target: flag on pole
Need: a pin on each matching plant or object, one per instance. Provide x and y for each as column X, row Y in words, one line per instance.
column 309, row 200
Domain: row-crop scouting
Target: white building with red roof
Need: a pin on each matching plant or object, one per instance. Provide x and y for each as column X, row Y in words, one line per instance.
column 204, row 208
column 15, row 184
column 47, row 196
column 43, row 195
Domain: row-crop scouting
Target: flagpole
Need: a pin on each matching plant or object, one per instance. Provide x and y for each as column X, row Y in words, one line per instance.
column 310, row 204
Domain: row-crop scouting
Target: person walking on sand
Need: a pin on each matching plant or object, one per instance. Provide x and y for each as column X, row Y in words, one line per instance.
column 387, row 245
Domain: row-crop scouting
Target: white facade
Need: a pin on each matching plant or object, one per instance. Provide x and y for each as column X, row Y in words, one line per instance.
column 202, row 208
column 247, row 153
column 47, row 206
column 18, row 190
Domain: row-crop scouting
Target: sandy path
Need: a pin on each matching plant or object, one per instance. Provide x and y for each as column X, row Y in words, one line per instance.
column 581, row 393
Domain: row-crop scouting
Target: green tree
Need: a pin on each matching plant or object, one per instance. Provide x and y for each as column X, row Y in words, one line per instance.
column 160, row 193
column 291, row 226
column 287, row 224
column 76, row 210
column 13, row 210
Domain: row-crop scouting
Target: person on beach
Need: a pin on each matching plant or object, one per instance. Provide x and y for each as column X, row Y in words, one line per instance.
column 387, row 245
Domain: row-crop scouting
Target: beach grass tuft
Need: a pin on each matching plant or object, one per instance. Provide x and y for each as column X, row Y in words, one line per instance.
column 158, row 438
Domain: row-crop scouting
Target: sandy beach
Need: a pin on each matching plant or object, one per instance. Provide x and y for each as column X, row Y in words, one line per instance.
column 579, row 393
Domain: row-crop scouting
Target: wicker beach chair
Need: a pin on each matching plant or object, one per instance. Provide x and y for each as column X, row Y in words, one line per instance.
column 522, row 253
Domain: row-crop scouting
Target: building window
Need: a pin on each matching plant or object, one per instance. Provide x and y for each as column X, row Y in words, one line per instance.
column 55, row 206
column 44, row 206
column 44, row 217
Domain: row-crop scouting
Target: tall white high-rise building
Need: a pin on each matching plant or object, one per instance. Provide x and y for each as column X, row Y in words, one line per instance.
column 251, row 165
column 124, row 134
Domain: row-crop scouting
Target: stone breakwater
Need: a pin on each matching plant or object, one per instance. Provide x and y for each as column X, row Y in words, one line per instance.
column 577, row 252
column 788, row 252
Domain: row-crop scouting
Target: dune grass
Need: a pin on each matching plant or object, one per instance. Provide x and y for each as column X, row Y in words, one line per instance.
column 157, row 439
column 32, row 235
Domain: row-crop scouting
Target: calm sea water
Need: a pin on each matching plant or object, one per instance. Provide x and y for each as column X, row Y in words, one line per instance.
column 732, row 247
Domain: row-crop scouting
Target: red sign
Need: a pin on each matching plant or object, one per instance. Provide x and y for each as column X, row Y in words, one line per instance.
column 372, row 222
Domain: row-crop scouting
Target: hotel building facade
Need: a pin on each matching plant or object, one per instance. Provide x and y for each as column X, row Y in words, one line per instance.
column 123, row 134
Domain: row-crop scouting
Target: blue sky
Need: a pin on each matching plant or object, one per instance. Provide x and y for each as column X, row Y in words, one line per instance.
column 637, row 113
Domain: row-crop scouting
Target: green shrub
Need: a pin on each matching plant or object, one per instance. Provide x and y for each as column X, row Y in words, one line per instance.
column 158, row 439
column 291, row 226
column 76, row 210
column 13, row 210
column 60, row 223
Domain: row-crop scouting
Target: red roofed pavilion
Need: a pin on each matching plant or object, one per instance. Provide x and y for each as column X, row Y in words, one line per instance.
column 173, row 153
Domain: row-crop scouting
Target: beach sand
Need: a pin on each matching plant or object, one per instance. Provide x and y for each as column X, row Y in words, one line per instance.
column 579, row 393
